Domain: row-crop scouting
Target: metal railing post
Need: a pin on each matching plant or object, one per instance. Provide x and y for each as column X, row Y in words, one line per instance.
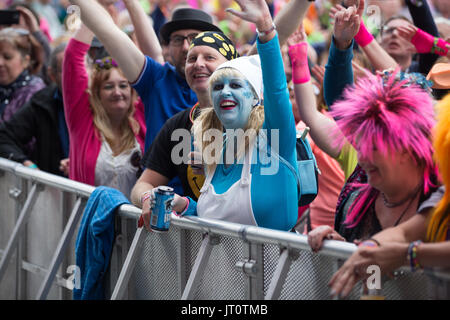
column 199, row 266
column 128, row 265
column 60, row 249
column 280, row 275
column 18, row 228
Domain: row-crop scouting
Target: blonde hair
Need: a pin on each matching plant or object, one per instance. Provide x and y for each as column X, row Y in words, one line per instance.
column 208, row 120
column 129, row 126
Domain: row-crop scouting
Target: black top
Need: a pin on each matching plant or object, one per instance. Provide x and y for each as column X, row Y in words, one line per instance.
column 38, row 119
column 159, row 156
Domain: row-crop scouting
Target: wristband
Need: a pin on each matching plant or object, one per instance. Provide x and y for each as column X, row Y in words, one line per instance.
column 423, row 41
column 33, row 166
column 185, row 209
column 363, row 37
column 265, row 33
column 412, row 255
column 299, row 60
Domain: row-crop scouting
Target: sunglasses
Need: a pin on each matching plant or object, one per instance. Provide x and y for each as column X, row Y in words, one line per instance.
column 135, row 161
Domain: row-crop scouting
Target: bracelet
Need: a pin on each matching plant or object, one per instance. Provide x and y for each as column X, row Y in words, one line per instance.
column 33, row 166
column 439, row 47
column 185, row 209
column 145, row 196
column 412, row 255
column 265, row 33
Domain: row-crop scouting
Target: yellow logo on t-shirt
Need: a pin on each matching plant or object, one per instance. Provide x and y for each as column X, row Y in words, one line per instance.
column 195, row 181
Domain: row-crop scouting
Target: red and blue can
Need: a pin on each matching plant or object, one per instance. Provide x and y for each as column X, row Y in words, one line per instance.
column 161, row 212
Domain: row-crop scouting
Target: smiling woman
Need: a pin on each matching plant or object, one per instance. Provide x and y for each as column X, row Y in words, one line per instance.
column 104, row 117
column 237, row 188
column 233, row 98
column 389, row 122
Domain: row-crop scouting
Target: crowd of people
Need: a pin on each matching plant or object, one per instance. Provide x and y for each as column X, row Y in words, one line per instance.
column 98, row 94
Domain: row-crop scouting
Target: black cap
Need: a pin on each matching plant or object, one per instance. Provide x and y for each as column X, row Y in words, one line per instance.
column 187, row 18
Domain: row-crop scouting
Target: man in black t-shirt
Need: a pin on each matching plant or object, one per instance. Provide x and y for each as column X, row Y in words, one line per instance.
column 158, row 158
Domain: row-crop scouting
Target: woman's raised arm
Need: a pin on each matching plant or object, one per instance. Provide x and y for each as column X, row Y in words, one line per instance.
column 130, row 59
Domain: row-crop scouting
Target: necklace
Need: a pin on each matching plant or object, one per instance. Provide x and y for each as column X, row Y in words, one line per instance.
column 411, row 198
column 192, row 115
column 399, row 203
column 404, row 211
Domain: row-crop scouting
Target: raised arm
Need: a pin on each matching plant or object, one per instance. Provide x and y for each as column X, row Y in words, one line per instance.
column 424, row 42
column 423, row 19
column 130, row 59
column 75, row 78
column 377, row 56
column 288, row 20
column 321, row 126
column 145, row 34
column 277, row 106
column 339, row 71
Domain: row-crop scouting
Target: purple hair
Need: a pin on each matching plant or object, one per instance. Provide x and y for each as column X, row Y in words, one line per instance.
column 391, row 115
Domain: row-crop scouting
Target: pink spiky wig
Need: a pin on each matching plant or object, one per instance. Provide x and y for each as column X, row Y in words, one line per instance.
column 392, row 115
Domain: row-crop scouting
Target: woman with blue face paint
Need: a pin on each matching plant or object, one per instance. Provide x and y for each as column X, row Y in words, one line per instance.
column 245, row 180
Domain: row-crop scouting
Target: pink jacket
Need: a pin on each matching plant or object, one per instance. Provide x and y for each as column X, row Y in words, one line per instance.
column 84, row 138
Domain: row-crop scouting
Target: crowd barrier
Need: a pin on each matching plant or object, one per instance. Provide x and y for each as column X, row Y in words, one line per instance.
column 197, row 259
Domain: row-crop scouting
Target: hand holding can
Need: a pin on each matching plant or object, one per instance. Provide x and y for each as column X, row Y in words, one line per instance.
column 160, row 207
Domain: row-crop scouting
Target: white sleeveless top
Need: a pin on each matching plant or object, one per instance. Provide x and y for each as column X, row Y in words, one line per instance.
column 234, row 205
column 116, row 171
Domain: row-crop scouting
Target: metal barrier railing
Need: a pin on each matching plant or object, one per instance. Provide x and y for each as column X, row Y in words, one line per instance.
column 196, row 259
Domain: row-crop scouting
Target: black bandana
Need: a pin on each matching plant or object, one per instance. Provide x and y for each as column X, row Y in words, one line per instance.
column 218, row 41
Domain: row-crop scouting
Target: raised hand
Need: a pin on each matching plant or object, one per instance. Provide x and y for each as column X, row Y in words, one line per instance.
column 255, row 11
column 346, row 24
column 29, row 19
column 296, row 37
column 407, row 32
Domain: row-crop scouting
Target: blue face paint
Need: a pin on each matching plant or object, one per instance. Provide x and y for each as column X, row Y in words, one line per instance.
column 233, row 100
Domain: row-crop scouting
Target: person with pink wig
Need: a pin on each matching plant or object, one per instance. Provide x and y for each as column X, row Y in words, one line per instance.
column 421, row 242
column 388, row 121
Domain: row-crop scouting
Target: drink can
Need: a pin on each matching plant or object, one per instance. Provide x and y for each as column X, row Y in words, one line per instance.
column 161, row 212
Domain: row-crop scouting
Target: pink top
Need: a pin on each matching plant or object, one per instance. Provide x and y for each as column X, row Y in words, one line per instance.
column 84, row 139
column 331, row 181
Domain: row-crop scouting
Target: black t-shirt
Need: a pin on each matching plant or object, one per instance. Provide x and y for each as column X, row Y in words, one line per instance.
column 159, row 156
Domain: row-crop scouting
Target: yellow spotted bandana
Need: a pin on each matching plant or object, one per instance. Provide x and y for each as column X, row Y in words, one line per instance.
column 218, row 41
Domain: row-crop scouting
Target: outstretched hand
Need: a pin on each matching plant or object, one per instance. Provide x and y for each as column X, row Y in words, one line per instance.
column 388, row 258
column 346, row 23
column 255, row 11
column 297, row 37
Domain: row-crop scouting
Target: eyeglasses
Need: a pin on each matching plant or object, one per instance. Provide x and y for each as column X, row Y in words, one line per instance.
column 178, row 40
column 387, row 31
